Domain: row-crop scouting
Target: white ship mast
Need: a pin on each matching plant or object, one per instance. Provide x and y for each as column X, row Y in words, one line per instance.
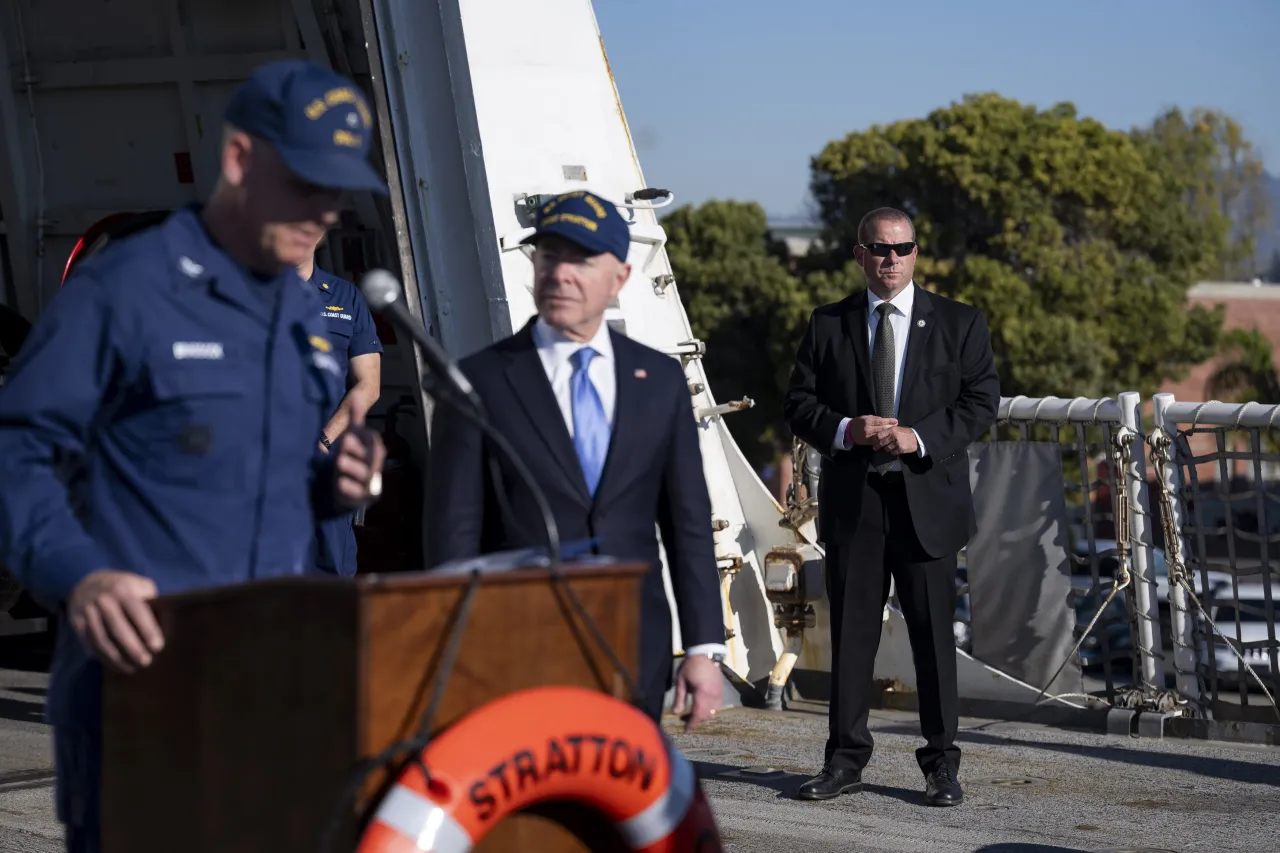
column 496, row 103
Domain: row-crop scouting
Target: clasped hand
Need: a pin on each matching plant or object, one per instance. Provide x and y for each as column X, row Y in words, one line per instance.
column 881, row 434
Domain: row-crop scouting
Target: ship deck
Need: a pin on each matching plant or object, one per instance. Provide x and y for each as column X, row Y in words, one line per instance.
column 1029, row 788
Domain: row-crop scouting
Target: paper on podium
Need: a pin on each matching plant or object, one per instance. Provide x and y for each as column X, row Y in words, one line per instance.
column 575, row 553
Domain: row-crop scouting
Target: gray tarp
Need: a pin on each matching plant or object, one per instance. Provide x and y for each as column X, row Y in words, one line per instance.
column 1019, row 569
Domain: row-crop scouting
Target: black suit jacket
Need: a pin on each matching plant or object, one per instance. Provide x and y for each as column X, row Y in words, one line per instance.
column 652, row 480
column 950, row 397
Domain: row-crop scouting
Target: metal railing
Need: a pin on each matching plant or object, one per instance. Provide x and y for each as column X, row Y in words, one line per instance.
column 1224, row 565
column 1193, row 574
column 1216, row 620
column 1092, row 431
column 1206, row 601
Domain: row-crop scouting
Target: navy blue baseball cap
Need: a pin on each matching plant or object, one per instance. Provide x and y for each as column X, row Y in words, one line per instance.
column 319, row 122
column 586, row 219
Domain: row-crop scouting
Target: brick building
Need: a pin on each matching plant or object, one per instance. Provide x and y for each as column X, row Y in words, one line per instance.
column 1248, row 306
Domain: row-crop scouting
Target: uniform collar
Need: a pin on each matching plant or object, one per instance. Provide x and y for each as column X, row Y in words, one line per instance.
column 196, row 258
column 555, row 349
column 903, row 302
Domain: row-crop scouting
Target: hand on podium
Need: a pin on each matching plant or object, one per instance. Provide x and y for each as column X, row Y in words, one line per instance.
column 108, row 610
column 699, row 678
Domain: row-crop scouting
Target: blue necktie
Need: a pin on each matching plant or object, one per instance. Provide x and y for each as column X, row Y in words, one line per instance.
column 590, row 427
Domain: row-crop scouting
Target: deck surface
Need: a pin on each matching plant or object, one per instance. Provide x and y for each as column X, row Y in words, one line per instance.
column 1030, row 789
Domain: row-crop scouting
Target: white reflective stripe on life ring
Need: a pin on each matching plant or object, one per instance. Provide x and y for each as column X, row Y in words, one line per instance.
column 431, row 827
column 667, row 812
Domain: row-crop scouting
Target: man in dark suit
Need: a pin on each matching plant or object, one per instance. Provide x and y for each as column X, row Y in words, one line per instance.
column 891, row 385
column 607, row 429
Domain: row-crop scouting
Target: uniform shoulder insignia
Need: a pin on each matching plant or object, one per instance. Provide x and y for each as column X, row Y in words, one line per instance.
column 320, row 343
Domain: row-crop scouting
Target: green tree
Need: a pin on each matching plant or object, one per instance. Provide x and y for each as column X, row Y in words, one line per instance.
column 1075, row 239
column 1247, row 373
column 1222, row 180
column 747, row 308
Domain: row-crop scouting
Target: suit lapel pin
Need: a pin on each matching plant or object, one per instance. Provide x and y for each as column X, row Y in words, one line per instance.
column 641, row 373
column 920, row 323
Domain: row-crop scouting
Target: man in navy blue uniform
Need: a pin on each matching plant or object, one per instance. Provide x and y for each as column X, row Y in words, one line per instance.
column 358, row 352
column 178, row 368
column 606, row 426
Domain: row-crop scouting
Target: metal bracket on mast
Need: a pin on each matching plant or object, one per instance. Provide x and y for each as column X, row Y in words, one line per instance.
column 687, row 351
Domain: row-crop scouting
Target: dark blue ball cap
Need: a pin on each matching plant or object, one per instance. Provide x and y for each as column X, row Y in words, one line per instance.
column 318, row 121
column 586, row 219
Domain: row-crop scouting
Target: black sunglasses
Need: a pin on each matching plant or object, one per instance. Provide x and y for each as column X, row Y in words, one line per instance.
column 882, row 250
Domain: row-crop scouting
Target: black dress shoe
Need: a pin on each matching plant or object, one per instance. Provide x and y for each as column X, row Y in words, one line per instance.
column 831, row 783
column 942, row 788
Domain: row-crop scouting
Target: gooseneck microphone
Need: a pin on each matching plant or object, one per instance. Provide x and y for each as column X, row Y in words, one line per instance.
column 450, row 387
column 385, row 296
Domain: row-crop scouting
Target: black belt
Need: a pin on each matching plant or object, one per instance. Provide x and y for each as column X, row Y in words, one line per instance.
column 887, row 478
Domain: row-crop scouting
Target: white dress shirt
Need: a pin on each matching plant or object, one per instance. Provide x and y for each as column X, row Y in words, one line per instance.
column 900, row 322
column 555, row 350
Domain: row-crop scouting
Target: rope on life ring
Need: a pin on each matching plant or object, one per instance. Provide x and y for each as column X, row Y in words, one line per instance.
column 540, row 745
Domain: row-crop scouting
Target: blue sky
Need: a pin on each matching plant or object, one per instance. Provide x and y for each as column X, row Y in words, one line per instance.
column 730, row 99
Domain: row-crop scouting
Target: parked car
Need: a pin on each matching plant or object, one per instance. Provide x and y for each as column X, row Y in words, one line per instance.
column 1112, row 634
column 1247, row 605
column 1108, row 559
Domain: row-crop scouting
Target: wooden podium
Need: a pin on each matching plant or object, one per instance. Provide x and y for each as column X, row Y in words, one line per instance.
column 244, row 732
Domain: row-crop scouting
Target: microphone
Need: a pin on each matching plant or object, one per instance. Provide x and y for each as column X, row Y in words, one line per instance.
column 383, row 293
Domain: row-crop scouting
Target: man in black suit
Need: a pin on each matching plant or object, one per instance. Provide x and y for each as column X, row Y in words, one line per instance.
column 892, row 384
column 606, row 426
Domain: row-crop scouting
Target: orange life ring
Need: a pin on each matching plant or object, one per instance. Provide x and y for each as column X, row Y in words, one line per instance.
column 539, row 745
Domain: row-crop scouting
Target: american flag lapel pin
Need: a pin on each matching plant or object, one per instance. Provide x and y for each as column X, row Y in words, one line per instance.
column 641, row 373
